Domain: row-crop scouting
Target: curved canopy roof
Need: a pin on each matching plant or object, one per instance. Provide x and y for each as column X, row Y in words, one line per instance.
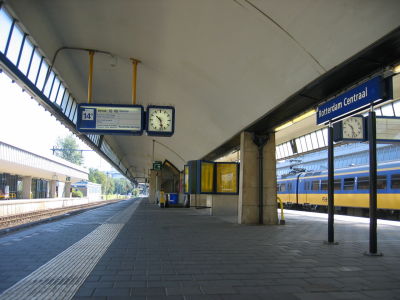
column 223, row 64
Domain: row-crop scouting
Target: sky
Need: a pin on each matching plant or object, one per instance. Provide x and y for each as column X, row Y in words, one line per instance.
column 26, row 124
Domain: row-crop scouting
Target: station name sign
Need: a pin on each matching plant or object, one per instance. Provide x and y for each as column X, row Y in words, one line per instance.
column 110, row 119
column 352, row 100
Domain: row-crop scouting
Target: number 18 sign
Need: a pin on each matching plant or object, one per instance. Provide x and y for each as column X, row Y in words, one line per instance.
column 110, row 119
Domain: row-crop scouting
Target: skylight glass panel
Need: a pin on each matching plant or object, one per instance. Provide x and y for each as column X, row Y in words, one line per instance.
column 309, row 142
column 15, row 44
column 49, row 84
column 56, row 90
column 5, row 26
column 25, row 56
column 387, row 110
column 304, row 143
column 320, row 137
column 314, row 140
column 34, row 69
column 396, row 107
column 298, row 145
column 60, row 94
column 42, row 75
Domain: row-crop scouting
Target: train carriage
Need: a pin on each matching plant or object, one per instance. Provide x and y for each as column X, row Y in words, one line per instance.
column 351, row 188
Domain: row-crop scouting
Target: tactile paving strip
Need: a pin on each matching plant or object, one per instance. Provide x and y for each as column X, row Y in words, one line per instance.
column 62, row 276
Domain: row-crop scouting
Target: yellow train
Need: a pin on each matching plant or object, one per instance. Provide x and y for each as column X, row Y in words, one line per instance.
column 351, row 188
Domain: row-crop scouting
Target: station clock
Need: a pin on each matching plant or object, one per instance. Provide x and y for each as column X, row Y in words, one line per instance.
column 350, row 129
column 160, row 120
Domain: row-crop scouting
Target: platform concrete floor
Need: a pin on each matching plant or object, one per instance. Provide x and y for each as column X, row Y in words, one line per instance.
column 182, row 254
column 179, row 253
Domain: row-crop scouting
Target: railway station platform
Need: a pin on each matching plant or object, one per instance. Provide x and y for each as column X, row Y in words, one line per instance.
column 135, row 250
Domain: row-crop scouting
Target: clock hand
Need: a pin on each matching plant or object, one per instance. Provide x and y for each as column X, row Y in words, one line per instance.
column 161, row 126
column 352, row 131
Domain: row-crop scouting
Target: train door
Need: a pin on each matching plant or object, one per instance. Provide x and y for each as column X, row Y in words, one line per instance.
column 297, row 188
column 302, row 190
column 290, row 192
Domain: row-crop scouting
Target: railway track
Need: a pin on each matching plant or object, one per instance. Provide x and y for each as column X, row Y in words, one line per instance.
column 20, row 219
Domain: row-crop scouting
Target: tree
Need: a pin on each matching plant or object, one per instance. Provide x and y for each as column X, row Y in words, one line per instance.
column 69, row 149
column 122, row 186
column 110, row 185
column 99, row 177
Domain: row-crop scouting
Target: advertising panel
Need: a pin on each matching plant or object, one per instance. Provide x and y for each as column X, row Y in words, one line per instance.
column 227, row 178
column 207, row 177
column 186, row 179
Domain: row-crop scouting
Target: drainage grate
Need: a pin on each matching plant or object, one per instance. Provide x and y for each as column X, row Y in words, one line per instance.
column 62, row 276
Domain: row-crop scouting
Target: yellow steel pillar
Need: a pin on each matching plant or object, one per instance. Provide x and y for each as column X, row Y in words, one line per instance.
column 90, row 80
column 134, row 77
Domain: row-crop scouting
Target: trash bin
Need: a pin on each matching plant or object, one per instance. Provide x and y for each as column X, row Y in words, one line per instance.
column 173, row 198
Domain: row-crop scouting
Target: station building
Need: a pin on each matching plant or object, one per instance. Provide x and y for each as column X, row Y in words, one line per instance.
column 27, row 175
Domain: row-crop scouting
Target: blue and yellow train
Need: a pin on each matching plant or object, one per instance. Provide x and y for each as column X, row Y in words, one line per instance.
column 351, row 188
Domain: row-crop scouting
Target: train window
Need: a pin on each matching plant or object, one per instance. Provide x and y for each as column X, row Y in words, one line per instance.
column 363, row 183
column 282, row 187
column 337, row 184
column 381, row 182
column 315, row 185
column 324, row 185
column 289, row 186
column 395, row 181
column 348, row 184
column 307, row 185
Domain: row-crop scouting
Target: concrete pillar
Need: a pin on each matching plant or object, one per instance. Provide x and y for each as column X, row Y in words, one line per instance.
column 270, row 201
column 67, row 190
column 53, row 185
column 26, row 187
column 248, row 206
column 153, row 186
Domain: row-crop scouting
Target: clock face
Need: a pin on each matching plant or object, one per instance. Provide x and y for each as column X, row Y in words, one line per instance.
column 160, row 120
column 353, row 128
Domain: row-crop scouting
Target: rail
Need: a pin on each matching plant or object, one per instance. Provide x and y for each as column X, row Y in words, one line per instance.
column 23, row 206
column 28, row 217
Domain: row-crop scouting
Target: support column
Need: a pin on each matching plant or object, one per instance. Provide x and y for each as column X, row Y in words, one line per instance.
column 152, row 186
column 270, row 201
column 248, row 206
column 248, row 180
column 53, row 185
column 26, row 187
column 67, row 190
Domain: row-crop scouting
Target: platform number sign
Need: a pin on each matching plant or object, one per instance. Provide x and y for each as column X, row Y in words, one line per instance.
column 88, row 114
column 126, row 119
column 110, row 119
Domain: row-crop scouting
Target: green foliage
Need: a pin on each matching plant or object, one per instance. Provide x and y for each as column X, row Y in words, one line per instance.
column 69, row 147
column 99, row 177
column 122, row 186
column 77, row 194
column 110, row 185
